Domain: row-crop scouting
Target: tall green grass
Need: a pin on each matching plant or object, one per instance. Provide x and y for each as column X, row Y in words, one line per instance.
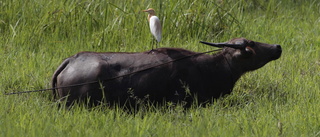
column 280, row 99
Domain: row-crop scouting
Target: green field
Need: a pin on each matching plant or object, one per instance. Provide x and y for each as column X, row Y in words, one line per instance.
column 280, row 99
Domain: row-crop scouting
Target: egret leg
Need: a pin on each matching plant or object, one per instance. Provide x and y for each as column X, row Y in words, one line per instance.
column 157, row 44
column 153, row 42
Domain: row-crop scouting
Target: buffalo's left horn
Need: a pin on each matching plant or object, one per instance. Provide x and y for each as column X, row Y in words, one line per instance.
column 221, row 45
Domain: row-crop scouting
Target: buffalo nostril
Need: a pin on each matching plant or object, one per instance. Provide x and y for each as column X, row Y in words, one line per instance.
column 278, row 47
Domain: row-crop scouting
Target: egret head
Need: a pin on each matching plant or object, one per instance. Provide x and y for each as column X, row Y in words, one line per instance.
column 150, row 11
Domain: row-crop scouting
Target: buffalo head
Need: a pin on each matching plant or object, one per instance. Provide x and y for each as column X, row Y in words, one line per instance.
column 248, row 54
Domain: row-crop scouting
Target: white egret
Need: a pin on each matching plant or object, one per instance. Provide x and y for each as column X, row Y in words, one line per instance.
column 154, row 24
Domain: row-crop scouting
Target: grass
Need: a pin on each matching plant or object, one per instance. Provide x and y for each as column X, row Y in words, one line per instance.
column 280, row 99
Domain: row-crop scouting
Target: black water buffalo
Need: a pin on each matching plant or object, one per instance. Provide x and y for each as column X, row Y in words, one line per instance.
column 160, row 75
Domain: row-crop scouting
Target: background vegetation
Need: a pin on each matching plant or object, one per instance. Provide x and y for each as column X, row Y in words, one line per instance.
column 280, row 99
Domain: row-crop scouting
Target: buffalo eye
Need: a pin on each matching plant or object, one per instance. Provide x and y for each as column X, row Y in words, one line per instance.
column 251, row 44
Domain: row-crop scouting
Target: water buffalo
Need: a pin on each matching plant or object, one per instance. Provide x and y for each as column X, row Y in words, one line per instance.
column 160, row 75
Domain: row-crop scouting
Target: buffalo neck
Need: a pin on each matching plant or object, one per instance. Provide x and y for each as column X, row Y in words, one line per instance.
column 223, row 62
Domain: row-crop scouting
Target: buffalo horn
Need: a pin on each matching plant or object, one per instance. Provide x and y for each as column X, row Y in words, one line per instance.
column 221, row 45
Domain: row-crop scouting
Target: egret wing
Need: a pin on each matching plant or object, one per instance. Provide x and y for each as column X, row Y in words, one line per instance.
column 155, row 27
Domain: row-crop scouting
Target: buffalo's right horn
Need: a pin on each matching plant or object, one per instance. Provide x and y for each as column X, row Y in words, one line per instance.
column 221, row 45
